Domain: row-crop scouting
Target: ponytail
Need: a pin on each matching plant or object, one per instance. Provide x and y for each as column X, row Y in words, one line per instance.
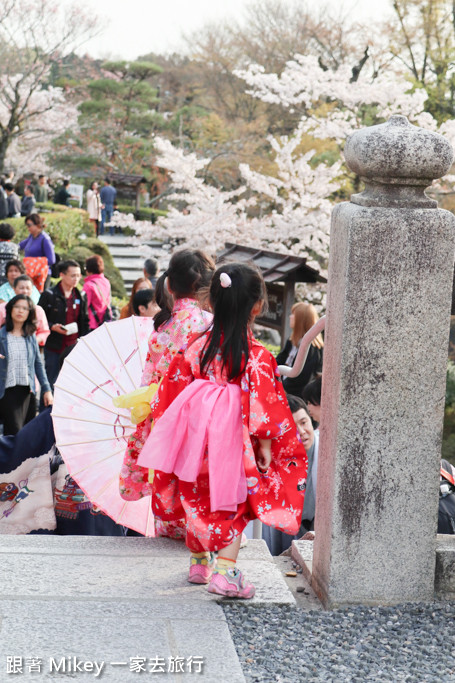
column 189, row 271
column 163, row 300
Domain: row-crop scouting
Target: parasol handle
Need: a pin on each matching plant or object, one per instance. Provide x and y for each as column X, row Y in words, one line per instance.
column 302, row 353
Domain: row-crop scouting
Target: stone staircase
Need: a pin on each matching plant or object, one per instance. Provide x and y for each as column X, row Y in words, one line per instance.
column 130, row 258
column 110, row 600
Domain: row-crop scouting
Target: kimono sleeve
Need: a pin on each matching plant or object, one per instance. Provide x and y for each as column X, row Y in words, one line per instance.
column 269, row 413
column 177, row 377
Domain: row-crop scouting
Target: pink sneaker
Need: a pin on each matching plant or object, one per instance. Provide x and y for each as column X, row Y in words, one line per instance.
column 231, row 583
column 201, row 569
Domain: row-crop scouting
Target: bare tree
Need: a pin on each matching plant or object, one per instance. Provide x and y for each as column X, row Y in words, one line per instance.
column 33, row 37
column 422, row 38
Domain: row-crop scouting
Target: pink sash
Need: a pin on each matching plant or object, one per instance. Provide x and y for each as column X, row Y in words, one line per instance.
column 204, row 415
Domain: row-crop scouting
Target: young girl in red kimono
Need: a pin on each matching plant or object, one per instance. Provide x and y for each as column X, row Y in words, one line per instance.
column 224, row 446
column 188, row 271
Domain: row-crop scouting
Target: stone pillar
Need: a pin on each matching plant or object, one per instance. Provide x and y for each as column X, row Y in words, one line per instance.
column 387, row 330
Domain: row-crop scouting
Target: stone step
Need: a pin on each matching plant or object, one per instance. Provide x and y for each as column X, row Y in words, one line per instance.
column 129, row 262
column 445, row 567
column 125, row 240
column 131, row 274
column 123, row 568
column 125, row 252
column 111, row 599
column 129, row 258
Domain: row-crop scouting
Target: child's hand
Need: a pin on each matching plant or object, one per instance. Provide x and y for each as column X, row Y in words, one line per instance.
column 264, row 455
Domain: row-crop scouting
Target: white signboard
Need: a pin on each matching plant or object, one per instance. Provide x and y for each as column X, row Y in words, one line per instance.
column 77, row 191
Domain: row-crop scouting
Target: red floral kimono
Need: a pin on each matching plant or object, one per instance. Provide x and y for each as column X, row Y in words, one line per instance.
column 275, row 497
column 187, row 318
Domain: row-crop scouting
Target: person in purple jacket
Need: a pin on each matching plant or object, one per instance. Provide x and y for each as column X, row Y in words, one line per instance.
column 38, row 243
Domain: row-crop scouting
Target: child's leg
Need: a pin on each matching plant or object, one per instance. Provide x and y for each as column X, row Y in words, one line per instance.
column 228, row 555
column 202, row 562
column 227, row 580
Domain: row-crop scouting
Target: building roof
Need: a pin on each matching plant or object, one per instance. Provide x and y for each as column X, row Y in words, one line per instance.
column 274, row 267
column 128, row 179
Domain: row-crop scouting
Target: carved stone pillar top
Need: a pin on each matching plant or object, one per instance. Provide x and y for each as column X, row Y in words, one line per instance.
column 397, row 161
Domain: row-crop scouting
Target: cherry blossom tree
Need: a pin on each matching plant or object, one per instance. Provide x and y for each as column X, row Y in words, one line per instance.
column 46, row 114
column 289, row 211
column 33, row 37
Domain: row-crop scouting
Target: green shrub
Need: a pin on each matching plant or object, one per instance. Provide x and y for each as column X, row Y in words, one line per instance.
column 91, row 246
column 50, row 207
column 275, row 350
column 64, row 228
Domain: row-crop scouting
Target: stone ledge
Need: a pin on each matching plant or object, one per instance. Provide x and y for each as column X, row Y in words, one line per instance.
column 122, row 569
column 444, row 583
column 302, row 553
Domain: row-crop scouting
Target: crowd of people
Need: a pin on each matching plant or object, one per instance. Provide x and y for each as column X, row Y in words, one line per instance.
column 101, row 203
column 12, row 206
column 58, row 314
column 221, row 443
column 203, row 322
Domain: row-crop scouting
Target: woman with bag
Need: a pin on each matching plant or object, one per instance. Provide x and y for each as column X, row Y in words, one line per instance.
column 98, row 290
column 20, row 361
column 94, row 206
column 39, row 254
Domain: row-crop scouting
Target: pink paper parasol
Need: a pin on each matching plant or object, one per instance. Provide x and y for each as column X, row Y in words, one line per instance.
column 91, row 434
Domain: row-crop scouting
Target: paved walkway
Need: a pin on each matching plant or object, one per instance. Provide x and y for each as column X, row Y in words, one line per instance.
column 110, row 600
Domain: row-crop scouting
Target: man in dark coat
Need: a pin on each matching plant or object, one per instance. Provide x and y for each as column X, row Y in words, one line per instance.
column 66, row 310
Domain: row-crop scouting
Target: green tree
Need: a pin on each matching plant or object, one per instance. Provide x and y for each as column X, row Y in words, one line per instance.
column 422, row 39
column 116, row 122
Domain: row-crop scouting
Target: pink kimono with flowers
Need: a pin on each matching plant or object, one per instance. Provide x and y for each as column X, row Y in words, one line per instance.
column 187, row 319
column 276, row 496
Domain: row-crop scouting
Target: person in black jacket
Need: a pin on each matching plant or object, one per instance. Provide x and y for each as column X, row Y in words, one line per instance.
column 303, row 317
column 64, row 305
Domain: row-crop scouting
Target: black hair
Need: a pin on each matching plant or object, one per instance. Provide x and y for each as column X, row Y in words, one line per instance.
column 151, row 266
column 41, row 176
column 232, row 306
column 29, row 326
column 22, row 278
column 9, row 187
column 36, row 219
column 189, row 271
column 142, row 298
column 296, row 403
column 66, row 183
column 30, row 188
column 312, row 392
column 163, row 300
column 14, row 262
column 69, row 263
column 6, row 231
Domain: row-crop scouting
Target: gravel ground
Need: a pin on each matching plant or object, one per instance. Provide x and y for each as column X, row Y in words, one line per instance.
column 410, row 642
